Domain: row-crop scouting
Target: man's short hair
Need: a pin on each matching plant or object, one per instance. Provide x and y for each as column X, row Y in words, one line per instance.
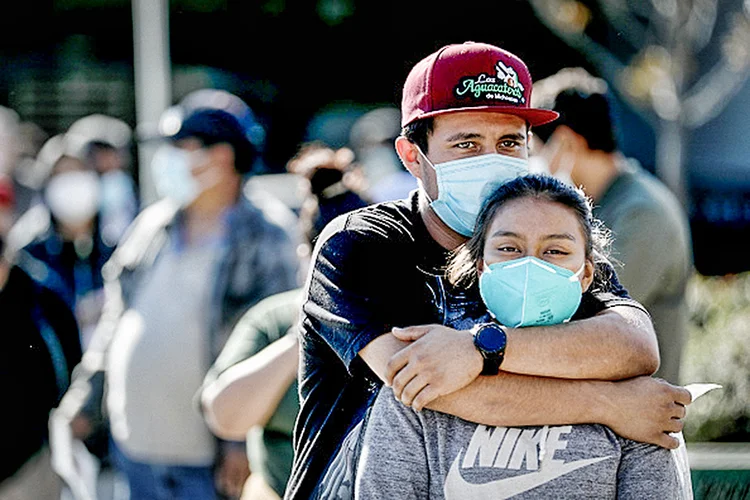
column 583, row 102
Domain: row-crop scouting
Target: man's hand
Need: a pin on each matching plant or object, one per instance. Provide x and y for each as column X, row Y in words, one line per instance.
column 232, row 472
column 439, row 361
column 647, row 409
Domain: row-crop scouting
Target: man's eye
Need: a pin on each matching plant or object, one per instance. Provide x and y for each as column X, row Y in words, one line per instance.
column 509, row 144
column 464, row 145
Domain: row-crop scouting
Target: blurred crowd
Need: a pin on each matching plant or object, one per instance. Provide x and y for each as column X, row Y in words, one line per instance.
column 116, row 308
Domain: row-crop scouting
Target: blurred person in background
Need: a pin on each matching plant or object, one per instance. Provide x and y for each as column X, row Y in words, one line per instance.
column 63, row 231
column 371, row 138
column 28, row 175
column 187, row 268
column 651, row 232
column 255, row 134
column 38, row 350
column 20, row 143
column 105, row 142
column 250, row 392
column 334, row 186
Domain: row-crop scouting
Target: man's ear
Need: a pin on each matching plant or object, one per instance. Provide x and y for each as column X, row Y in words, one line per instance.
column 223, row 153
column 409, row 154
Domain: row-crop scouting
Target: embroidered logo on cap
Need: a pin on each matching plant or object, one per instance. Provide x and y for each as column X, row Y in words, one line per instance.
column 504, row 86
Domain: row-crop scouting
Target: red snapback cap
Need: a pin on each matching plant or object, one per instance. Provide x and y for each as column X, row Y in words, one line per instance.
column 470, row 76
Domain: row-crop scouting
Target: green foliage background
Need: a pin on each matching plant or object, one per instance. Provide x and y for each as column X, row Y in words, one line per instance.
column 718, row 351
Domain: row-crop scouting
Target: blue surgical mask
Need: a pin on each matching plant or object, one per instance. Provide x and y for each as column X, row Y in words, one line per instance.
column 530, row 292
column 464, row 184
column 171, row 171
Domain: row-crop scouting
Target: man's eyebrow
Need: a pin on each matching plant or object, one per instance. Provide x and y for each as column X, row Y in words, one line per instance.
column 519, row 137
column 463, row 136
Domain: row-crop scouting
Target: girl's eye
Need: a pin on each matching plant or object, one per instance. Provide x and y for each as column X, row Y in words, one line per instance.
column 507, row 249
column 557, row 251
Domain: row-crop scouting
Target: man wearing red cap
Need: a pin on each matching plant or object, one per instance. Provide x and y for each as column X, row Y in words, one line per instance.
column 379, row 271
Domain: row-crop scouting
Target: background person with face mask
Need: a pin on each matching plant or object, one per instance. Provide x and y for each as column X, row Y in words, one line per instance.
column 652, row 246
column 535, row 257
column 63, row 230
column 183, row 274
column 105, row 144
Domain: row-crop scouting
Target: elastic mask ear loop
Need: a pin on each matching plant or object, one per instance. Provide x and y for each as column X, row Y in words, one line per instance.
column 425, row 157
column 577, row 275
column 427, row 195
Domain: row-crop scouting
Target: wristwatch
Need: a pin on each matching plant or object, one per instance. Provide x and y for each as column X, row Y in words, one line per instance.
column 490, row 340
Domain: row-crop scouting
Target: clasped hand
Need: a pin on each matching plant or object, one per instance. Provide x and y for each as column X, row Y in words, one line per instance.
column 438, row 361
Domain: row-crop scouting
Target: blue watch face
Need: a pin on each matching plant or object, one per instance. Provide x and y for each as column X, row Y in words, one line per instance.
column 492, row 338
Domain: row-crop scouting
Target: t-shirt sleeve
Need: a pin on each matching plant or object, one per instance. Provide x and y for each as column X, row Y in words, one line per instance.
column 650, row 471
column 605, row 292
column 387, row 470
column 347, row 299
column 259, row 326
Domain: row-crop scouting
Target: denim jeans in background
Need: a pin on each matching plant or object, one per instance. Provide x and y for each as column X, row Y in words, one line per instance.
column 164, row 482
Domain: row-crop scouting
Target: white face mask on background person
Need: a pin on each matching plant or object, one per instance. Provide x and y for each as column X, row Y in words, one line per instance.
column 73, row 197
column 171, row 170
column 464, row 184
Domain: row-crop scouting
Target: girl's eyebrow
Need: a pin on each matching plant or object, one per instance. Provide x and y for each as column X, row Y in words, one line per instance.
column 553, row 236
column 560, row 236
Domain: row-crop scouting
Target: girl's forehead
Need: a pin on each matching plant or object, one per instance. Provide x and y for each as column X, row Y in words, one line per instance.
column 532, row 215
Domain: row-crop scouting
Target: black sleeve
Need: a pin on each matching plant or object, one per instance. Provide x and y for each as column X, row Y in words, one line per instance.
column 62, row 320
column 606, row 292
column 346, row 301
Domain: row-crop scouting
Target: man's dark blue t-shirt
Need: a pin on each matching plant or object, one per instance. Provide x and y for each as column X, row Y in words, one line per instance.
column 373, row 269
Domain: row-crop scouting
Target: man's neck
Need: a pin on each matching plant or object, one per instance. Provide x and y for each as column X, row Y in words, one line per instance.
column 597, row 172
column 204, row 217
column 440, row 232
column 73, row 233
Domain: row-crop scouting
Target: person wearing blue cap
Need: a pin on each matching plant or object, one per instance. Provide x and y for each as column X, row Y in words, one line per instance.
column 186, row 270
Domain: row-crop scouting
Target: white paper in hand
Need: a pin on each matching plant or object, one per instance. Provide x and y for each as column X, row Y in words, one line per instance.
column 698, row 390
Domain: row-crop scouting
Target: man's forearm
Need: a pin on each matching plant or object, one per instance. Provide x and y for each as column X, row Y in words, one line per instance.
column 508, row 399
column 249, row 392
column 617, row 344
column 643, row 409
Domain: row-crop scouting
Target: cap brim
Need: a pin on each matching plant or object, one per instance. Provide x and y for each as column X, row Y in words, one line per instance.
column 534, row 116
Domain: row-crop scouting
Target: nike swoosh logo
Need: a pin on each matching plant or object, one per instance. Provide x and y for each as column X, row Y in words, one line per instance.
column 457, row 487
